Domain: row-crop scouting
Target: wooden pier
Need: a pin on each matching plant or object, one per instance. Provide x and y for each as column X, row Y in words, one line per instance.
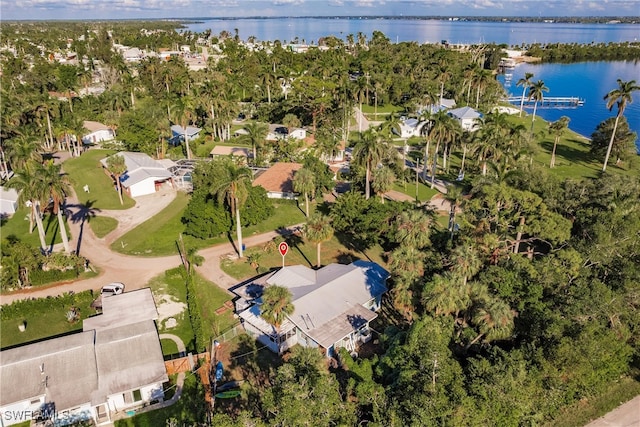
column 550, row 102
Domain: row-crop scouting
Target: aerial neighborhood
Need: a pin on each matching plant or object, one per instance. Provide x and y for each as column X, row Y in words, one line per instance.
column 210, row 229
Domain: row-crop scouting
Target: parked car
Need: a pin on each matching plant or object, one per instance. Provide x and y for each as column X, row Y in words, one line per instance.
column 113, row 288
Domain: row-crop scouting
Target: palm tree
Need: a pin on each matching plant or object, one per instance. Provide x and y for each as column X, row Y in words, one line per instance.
column 318, row 229
column 455, row 197
column 557, row 128
column 466, row 261
column 117, row 166
column 536, row 92
column 494, row 319
column 232, row 186
column 383, row 179
column 58, row 187
column 413, row 228
column 526, row 84
column 304, row 182
column 369, row 152
column 276, row 305
column 28, row 183
column 23, row 149
column 255, row 136
column 183, row 114
column 622, row 95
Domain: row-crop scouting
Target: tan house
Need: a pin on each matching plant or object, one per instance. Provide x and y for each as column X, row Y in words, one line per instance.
column 278, row 180
column 225, row 151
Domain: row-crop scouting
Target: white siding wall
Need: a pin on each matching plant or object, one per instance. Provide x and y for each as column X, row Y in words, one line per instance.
column 19, row 412
column 143, row 188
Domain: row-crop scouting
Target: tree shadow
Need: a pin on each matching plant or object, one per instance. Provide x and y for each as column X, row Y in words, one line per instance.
column 295, row 240
column 569, row 153
column 82, row 214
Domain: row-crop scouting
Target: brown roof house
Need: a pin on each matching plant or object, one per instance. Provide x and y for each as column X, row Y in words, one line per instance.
column 115, row 364
column 333, row 306
column 278, row 180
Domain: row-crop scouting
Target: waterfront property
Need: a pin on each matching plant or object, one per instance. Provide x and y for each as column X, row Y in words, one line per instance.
column 333, row 306
column 114, row 365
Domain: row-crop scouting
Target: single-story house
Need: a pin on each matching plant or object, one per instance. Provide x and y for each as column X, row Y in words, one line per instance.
column 282, row 132
column 144, row 175
column 468, row 118
column 333, row 306
column 97, row 133
column 278, row 180
column 8, row 201
column 225, row 151
column 410, row 127
column 178, row 133
column 115, row 364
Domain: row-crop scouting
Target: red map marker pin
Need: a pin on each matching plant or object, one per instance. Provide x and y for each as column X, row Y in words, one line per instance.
column 283, row 248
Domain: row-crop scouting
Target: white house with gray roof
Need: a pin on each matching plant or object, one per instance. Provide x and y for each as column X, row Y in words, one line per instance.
column 468, row 118
column 333, row 306
column 144, row 175
column 114, row 365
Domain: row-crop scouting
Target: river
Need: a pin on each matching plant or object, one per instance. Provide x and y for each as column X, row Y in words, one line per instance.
column 589, row 80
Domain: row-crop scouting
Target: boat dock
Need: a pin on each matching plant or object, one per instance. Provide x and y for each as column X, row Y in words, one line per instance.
column 550, row 102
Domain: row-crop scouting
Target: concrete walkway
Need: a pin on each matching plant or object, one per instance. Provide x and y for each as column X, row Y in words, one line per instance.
column 625, row 415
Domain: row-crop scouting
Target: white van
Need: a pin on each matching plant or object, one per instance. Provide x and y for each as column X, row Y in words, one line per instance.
column 113, row 288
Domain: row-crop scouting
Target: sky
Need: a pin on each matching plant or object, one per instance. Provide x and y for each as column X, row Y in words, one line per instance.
column 139, row 9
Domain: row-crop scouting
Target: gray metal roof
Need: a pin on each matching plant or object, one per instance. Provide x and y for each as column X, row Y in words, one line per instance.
column 140, row 166
column 118, row 350
column 66, row 365
column 127, row 357
column 465, row 113
column 341, row 326
column 326, row 301
column 117, row 310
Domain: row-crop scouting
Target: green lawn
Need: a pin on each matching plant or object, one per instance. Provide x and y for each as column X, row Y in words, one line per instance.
column 425, row 193
column 300, row 252
column 44, row 317
column 102, row 225
column 157, row 236
column 18, row 225
column 87, row 170
column 187, row 410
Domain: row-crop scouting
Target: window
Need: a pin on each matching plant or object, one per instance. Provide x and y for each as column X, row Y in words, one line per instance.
column 137, row 395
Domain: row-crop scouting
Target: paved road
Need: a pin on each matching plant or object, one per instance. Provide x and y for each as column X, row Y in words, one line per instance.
column 625, row 415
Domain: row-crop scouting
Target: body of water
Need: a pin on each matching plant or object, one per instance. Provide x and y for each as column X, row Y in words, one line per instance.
column 420, row 30
column 589, row 80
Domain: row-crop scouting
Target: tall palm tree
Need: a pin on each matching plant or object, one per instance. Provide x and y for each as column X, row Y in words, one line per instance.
column 232, row 187
column 58, row 187
column 454, row 196
column 255, row 136
column 622, row 95
column 276, row 305
column 182, row 115
column 557, row 128
column 117, row 166
column 383, row 179
column 304, row 182
column 466, row 261
column 369, row 152
column 29, row 185
column 536, row 92
column 494, row 319
column 318, row 229
column 525, row 83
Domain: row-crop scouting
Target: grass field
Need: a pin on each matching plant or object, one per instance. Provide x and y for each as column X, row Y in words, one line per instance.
column 300, row 252
column 157, row 237
column 102, row 225
column 425, row 193
column 44, row 318
column 18, row 225
column 87, row 170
